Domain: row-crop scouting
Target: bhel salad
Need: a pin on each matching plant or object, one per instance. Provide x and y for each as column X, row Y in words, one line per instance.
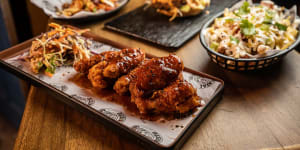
column 253, row 30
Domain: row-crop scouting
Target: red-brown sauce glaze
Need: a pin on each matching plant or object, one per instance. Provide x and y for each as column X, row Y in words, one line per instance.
column 158, row 72
column 109, row 94
column 126, row 59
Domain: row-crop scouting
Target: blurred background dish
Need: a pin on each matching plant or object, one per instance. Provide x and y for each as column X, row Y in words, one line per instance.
column 148, row 25
column 252, row 62
column 179, row 8
column 252, row 31
column 79, row 9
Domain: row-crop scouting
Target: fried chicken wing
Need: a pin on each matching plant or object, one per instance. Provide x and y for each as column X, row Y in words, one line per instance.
column 179, row 97
column 154, row 74
column 114, row 64
column 122, row 84
column 83, row 65
column 157, row 86
column 151, row 75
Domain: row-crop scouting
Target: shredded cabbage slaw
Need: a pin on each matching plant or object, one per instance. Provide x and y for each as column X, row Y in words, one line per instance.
column 57, row 47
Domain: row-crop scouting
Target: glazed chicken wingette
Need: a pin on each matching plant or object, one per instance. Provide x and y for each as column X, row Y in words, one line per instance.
column 114, row 65
column 179, row 97
column 83, row 65
column 151, row 75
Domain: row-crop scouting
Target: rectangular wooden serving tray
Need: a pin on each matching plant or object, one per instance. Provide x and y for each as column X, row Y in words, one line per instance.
column 107, row 121
column 156, row 28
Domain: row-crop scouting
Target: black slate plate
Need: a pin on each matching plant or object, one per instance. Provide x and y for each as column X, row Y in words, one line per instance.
column 156, row 28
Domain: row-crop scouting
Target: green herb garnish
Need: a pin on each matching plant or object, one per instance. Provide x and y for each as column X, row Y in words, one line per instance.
column 236, row 13
column 247, row 27
column 52, row 61
column 234, row 39
column 244, row 9
column 50, row 69
column 268, row 41
column 268, row 17
column 265, row 27
column 214, row 45
column 231, row 20
column 40, row 65
column 281, row 26
column 185, row 8
column 95, row 9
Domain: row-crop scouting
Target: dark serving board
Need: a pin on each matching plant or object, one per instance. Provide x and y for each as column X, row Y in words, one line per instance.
column 150, row 134
column 156, row 28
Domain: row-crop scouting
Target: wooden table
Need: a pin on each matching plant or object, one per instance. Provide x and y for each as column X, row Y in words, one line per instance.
column 258, row 110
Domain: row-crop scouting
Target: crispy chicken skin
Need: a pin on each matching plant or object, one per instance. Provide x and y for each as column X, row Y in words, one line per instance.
column 122, row 84
column 151, row 75
column 114, row 64
column 83, row 65
column 179, row 97
column 157, row 86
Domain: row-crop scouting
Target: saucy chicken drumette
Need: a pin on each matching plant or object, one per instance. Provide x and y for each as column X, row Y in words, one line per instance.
column 104, row 68
column 179, row 97
column 84, row 65
column 156, row 86
column 151, row 75
column 113, row 65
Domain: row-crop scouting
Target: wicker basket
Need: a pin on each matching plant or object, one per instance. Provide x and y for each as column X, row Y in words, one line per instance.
column 241, row 64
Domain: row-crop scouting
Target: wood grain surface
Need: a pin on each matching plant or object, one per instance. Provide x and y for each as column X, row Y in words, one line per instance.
column 258, row 110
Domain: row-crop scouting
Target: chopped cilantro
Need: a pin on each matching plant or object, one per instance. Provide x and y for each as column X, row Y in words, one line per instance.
column 247, row 27
column 236, row 13
column 234, row 39
column 185, row 8
column 244, row 9
column 214, row 45
column 281, row 26
column 231, row 20
column 268, row 41
column 268, row 17
column 265, row 27
column 40, row 65
column 52, row 61
column 50, row 69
